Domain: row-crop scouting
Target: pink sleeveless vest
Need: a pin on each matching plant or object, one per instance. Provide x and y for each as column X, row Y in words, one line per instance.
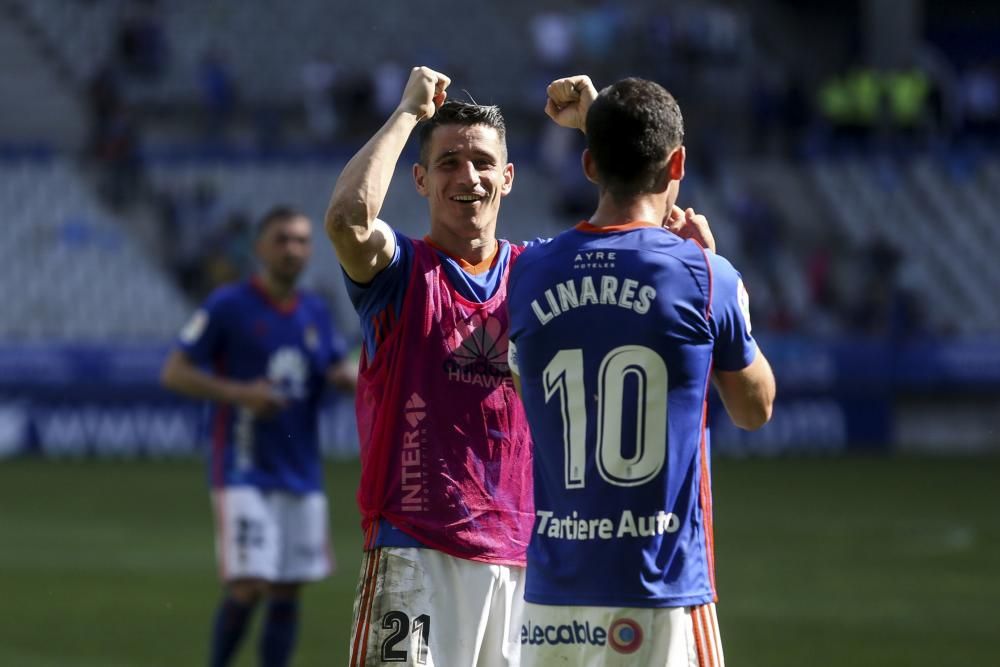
column 445, row 446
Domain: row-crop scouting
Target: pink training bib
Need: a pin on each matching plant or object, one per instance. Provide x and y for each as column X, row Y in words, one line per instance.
column 445, row 445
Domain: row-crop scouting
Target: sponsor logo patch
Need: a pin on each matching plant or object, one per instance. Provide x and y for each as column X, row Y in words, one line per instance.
column 625, row 635
column 479, row 353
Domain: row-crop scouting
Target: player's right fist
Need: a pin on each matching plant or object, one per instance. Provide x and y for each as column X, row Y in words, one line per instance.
column 260, row 398
column 424, row 92
column 569, row 99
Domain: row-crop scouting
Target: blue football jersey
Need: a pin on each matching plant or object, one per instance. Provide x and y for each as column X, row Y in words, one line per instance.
column 615, row 333
column 240, row 333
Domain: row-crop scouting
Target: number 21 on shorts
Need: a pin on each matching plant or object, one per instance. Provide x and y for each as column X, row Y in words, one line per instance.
column 399, row 626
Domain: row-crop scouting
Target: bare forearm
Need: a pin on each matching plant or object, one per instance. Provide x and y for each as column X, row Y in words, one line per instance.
column 362, row 186
column 343, row 376
column 748, row 395
column 181, row 376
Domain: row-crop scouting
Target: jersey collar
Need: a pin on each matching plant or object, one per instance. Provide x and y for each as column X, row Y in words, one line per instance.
column 585, row 226
column 286, row 308
column 472, row 269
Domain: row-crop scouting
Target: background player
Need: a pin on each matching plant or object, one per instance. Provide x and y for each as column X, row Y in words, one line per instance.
column 445, row 491
column 616, row 328
column 272, row 349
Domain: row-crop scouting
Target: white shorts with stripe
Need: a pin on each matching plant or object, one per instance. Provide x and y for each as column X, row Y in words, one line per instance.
column 620, row 636
column 271, row 535
column 424, row 607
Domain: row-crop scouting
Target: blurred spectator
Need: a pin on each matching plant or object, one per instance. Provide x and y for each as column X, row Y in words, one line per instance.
column 852, row 106
column 767, row 97
column 908, row 93
column 104, row 99
column 819, row 266
column 319, row 75
column 980, row 95
column 188, row 220
column 574, row 197
column 796, row 116
column 142, row 40
column 218, row 93
column 552, row 39
column 389, row 78
column 599, row 26
column 759, row 225
column 354, row 95
column 907, row 317
column 229, row 252
column 117, row 151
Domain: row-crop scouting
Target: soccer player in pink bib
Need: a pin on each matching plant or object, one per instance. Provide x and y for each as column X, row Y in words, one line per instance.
column 617, row 328
column 445, row 491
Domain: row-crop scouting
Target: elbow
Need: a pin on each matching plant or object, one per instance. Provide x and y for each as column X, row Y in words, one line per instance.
column 754, row 417
column 167, row 377
column 169, row 374
column 336, row 220
column 345, row 217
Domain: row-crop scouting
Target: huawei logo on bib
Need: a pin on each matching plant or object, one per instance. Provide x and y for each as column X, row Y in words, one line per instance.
column 479, row 355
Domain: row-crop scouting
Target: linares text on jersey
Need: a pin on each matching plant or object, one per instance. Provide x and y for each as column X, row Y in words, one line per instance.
column 584, row 291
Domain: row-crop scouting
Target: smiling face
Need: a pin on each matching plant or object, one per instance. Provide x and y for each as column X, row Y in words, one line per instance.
column 465, row 175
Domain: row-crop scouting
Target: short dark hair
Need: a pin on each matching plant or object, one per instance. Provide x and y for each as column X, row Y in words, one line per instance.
column 454, row 112
column 632, row 127
column 277, row 214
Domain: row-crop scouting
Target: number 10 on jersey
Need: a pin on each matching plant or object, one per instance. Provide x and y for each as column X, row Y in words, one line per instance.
column 564, row 377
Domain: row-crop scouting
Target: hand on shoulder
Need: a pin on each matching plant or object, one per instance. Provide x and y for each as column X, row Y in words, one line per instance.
column 688, row 224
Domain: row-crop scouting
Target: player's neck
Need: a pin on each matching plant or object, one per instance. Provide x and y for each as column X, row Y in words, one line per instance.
column 279, row 291
column 474, row 251
column 611, row 212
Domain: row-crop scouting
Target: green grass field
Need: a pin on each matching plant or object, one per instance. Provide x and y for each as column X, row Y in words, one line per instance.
column 820, row 562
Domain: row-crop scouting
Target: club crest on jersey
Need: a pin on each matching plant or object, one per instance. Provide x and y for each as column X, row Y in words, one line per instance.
column 625, row 635
column 311, row 338
column 744, row 300
column 479, row 353
column 195, row 327
column 287, row 370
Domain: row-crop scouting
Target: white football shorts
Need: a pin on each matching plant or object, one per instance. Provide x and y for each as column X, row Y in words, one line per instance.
column 620, row 636
column 271, row 535
column 424, row 607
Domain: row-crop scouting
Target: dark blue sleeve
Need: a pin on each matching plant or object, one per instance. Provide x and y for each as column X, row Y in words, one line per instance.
column 735, row 347
column 204, row 335
column 383, row 289
column 387, row 289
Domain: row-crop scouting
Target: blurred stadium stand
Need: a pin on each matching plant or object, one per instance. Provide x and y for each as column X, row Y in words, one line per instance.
column 75, row 273
column 853, row 179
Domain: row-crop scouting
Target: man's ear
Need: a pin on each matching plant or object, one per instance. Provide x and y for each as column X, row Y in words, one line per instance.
column 508, row 180
column 589, row 166
column 420, row 178
column 675, row 164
